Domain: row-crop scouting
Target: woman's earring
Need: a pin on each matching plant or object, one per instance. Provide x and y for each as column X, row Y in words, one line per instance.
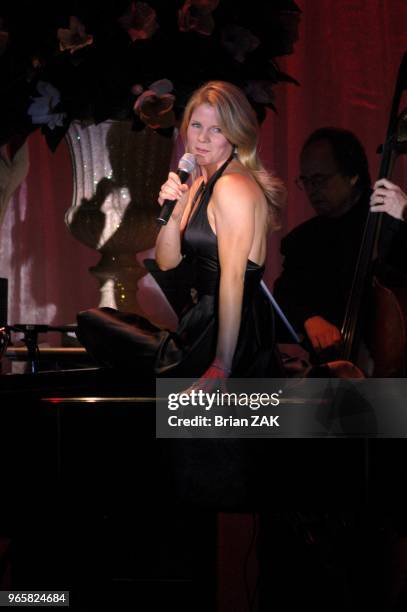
column 235, row 152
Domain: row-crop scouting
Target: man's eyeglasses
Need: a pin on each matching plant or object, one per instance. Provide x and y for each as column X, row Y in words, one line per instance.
column 315, row 181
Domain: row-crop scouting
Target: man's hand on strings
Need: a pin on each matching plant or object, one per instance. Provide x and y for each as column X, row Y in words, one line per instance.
column 389, row 198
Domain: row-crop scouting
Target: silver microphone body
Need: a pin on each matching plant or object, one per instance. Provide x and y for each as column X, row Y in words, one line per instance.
column 186, row 165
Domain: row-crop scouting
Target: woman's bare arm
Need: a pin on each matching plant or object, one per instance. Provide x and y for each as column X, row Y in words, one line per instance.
column 234, row 213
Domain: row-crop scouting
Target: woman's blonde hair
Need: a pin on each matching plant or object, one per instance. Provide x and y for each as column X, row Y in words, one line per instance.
column 240, row 126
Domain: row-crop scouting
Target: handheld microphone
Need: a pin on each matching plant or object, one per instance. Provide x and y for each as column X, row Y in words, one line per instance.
column 186, row 165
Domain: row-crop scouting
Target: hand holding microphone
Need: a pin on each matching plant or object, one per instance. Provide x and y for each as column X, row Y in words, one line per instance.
column 174, row 188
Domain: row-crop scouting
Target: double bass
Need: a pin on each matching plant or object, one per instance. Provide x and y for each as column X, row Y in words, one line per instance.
column 375, row 306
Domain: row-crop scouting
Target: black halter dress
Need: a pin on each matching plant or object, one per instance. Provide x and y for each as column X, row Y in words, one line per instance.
column 129, row 341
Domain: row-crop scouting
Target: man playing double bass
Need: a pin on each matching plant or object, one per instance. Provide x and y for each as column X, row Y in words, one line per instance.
column 320, row 255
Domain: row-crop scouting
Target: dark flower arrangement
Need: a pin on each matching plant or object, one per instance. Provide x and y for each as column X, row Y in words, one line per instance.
column 133, row 60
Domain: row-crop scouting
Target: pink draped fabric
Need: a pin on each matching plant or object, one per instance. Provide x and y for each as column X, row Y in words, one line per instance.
column 346, row 61
column 46, row 267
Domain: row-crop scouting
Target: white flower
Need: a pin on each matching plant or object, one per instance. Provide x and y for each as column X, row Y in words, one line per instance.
column 41, row 107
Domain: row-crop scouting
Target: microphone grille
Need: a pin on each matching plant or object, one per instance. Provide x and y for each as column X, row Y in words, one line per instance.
column 187, row 163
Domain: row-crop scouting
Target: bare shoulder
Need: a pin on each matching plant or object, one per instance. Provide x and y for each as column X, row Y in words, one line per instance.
column 236, row 185
column 237, row 191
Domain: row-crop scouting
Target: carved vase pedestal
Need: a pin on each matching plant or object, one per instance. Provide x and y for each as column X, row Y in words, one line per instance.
column 117, row 177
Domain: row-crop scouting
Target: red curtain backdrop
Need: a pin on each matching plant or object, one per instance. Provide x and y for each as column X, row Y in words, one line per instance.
column 346, row 61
